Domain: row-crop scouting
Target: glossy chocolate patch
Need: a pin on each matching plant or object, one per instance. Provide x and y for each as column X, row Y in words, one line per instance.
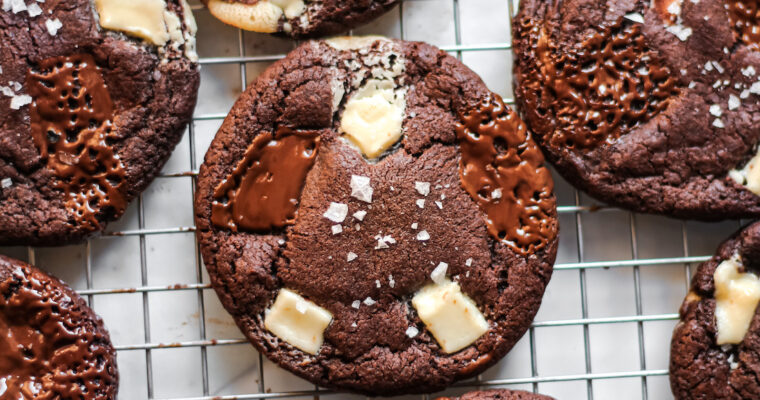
column 262, row 192
column 595, row 92
column 71, row 123
column 46, row 351
column 744, row 16
column 503, row 170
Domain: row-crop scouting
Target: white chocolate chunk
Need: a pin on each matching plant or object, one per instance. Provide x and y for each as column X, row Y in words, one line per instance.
column 736, row 297
column 291, row 8
column 141, row 18
column 451, row 316
column 373, row 115
column 748, row 176
column 353, row 42
column 297, row 321
column 259, row 17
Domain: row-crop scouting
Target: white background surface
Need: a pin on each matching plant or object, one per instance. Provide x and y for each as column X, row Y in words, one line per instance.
column 552, row 358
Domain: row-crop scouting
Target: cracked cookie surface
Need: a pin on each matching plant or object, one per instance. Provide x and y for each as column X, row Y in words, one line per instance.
column 53, row 345
column 716, row 344
column 653, row 109
column 409, row 196
column 91, row 105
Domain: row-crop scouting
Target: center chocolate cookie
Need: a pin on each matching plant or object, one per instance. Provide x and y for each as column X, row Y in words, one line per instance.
column 715, row 351
column 93, row 98
column 298, row 18
column 647, row 105
column 52, row 345
column 375, row 219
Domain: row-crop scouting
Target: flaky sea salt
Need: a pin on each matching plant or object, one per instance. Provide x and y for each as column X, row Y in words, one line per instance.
column 423, row 236
column 368, row 301
column 337, row 212
column 391, row 282
column 361, row 189
column 34, row 10
column 6, row 183
column 468, row 262
column 439, row 204
column 749, row 71
column 733, row 102
column 412, row 331
column 718, row 123
column 715, row 110
column 377, row 283
column 420, row 203
column 384, row 241
column 423, row 188
column 20, row 101
column 351, row 256
column 439, row 273
column 336, row 229
column 681, row 32
column 415, row 225
column 359, row 215
column 635, row 17
column 356, row 304
column 53, row 25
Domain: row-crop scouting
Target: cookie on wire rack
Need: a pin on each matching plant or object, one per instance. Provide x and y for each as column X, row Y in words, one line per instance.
column 52, row 344
column 375, row 219
column 715, row 346
column 647, row 105
column 93, row 98
column 298, row 18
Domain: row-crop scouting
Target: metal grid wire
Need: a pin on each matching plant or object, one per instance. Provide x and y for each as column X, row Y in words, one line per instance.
column 574, row 210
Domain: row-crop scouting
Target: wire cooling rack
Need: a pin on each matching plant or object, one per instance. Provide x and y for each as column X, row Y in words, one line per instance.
column 602, row 332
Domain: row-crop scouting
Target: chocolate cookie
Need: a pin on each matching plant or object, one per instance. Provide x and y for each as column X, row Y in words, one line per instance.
column 93, row 98
column 498, row 394
column 375, row 219
column 296, row 18
column 651, row 108
column 52, row 345
column 715, row 351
